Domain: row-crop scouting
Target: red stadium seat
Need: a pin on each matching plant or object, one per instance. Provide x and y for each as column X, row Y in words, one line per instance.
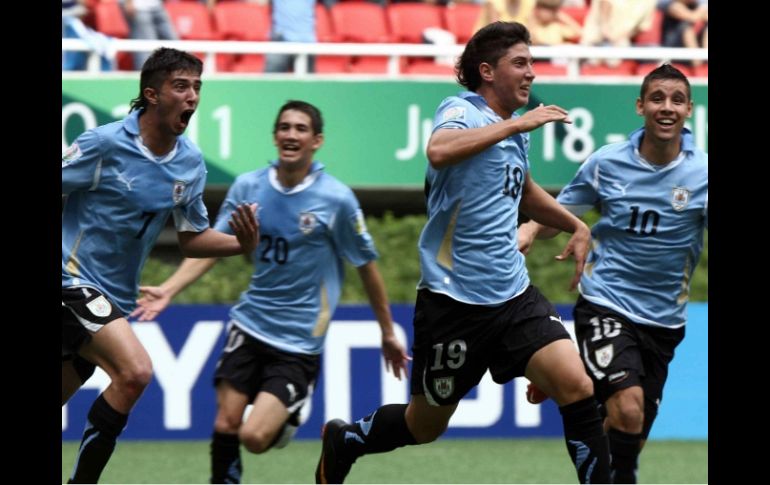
column 360, row 22
column 577, row 13
column 460, row 19
column 625, row 68
column 701, row 71
column 109, row 20
column 545, row 68
column 242, row 21
column 647, row 67
column 192, row 21
column 409, row 20
column 324, row 31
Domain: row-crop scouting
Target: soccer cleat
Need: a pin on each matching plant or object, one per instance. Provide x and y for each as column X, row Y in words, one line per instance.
column 332, row 466
column 535, row 395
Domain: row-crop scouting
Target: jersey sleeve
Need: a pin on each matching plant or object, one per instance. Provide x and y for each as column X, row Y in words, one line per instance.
column 81, row 163
column 349, row 233
column 192, row 216
column 582, row 193
column 453, row 113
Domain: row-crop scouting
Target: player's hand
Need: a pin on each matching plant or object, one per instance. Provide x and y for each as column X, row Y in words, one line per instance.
column 526, row 237
column 395, row 355
column 541, row 115
column 578, row 246
column 245, row 226
column 154, row 300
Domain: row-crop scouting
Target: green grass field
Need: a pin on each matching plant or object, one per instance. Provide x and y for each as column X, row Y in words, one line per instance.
column 445, row 461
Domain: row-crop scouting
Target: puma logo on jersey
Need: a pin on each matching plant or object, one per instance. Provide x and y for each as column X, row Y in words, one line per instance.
column 125, row 180
column 621, row 188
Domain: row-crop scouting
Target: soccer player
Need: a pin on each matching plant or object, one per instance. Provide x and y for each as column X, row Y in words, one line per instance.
column 630, row 315
column 122, row 181
column 309, row 222
column 475, row 309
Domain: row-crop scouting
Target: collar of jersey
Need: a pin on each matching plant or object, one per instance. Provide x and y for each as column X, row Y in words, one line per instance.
column 131, row 125
column 688, row 146
column 482, row 105
column 272, row 175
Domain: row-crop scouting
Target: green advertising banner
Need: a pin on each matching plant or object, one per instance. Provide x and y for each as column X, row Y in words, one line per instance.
column 375, row 131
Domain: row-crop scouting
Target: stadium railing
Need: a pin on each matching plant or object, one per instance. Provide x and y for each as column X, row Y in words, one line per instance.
column 571, row 55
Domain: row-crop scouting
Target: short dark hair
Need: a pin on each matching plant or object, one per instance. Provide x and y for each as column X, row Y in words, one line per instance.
column 665, row 71
column 161, row 63
column 488, row 45
column 314, row 113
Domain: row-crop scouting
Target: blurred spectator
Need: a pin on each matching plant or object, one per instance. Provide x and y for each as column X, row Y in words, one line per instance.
column 72, row 27
column 616, row 22
column 147, row 19
column 550, row 26
column 685, row 23
column 505, row 10
column 292, row 21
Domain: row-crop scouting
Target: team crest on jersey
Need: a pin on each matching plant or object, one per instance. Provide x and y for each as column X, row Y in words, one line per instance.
column 680, row 196
column 454, row 113
column 359, row 225
column 99, row 306
column 444, row 386
column 307, row 222
column 71, row 154
column 178, row 194
column 604, row 355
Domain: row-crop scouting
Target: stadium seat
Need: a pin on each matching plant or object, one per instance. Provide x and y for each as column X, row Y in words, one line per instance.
column 192, row 21
column 577, row 13
column 362, row 22
column 701, row 71
column 324, row 31
column 241, row 21
column 546, row 68
column 109, row 20
column 460, row 19
column 645, row 68
column 430, row 68
column 652, row 36
column 409, row 20
column 625, row 68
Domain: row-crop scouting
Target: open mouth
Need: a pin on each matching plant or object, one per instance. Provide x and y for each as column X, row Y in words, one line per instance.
column 186, row 115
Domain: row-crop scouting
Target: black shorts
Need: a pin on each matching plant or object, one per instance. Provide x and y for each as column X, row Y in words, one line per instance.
column 619, row 354
column 84, row 311
column 455, row 343
column 252, row 366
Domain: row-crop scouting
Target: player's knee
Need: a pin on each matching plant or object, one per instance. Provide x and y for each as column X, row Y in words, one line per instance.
column 254, row 442
column 135, row 378
column 627, row 412
column 227, row 424
column 576, row 388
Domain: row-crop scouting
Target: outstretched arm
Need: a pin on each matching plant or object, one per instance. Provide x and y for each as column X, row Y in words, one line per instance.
column 448, row 147
column 212, row 243
column 393, row 351
column 542, row 208
column 155, row 299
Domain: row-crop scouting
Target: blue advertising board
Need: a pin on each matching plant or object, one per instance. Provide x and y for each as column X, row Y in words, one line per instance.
column 185, row 341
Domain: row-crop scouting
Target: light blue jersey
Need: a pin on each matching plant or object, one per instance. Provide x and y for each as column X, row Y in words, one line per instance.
column 119, row 198
column 468, row 247
column 650, row 234
column 305, row 232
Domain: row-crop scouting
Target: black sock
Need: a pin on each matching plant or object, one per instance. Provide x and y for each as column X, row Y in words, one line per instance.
column 226, row 466
column 586, row 441
column 624, row 448
column 102, row 429
column 383, row 430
